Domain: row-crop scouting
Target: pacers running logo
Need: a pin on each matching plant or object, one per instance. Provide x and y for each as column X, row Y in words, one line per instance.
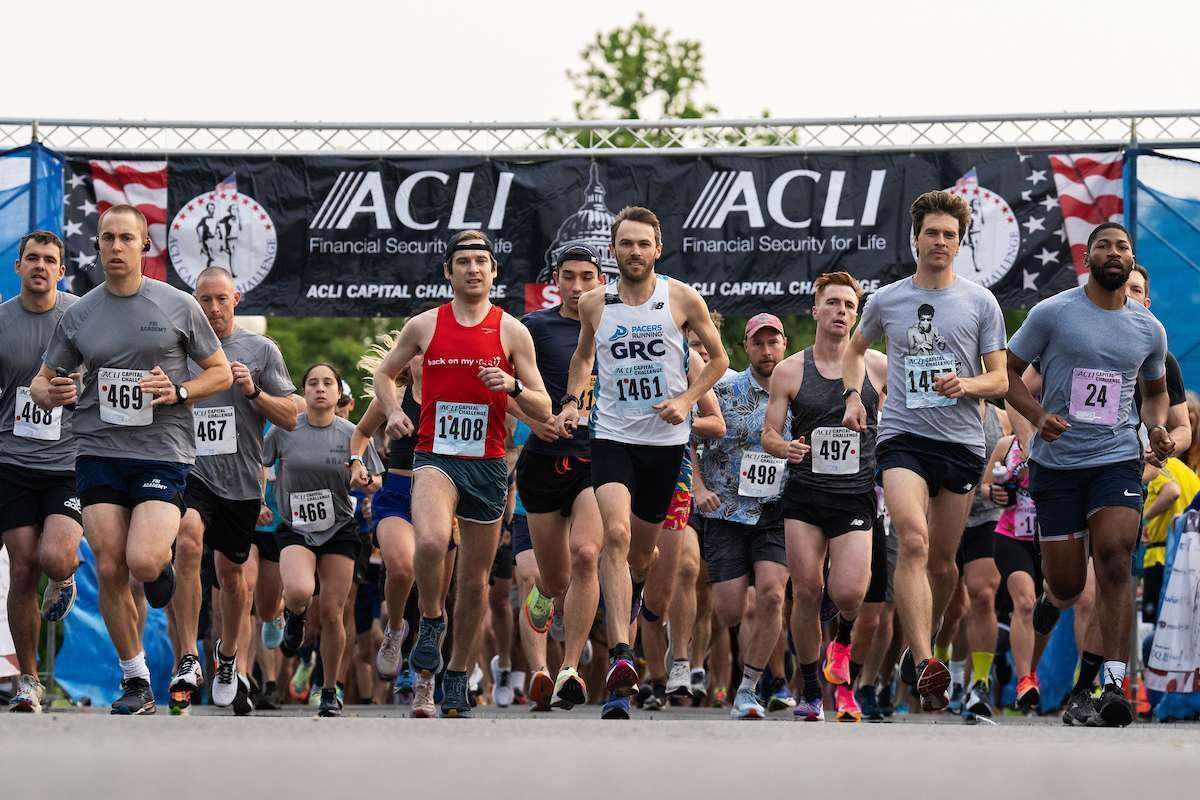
column 223, row 228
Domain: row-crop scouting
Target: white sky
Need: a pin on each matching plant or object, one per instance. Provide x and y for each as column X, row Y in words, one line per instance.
column 354, row 60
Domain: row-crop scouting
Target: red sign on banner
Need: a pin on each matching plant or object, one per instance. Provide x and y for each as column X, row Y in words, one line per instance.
column 541, row 295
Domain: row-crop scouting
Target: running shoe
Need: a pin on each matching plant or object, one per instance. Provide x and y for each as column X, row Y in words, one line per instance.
column 314, row 696
column 585, row 655
column 837, row 664
column 679, row 682
column 293, row 632
column 657, row 700
column 331, row 704
column 699, row 686
column 58, row 599
column 809, row 710
column 538, row 610
column 847, row 706
column 455, row 704
column 1029, row 693
column 719, row 698
column 541, row 689
column 403, row 690
column 558, row 626
column 475, row 685
column 188, row 678
column 1080, row 710
column 933, row 679
column 225, row 686
column 389, row 657
column 868, row 703
column 160, row 590
column 978, row 700
column 502, row 693
column 617, row 707
column 622, row 677
column 887, row 699
column 569, row 690
column 1045, row 615
column 958, row 695
column 272, row 633
column 746, row 706
column 781, row 697
column 268, row 698
column 426, row 655
column 908, row 669
column 1113, row 709
column 300, row 688
column 423, row 706
column 136, row 698
column 29, row 696
column 242, row 705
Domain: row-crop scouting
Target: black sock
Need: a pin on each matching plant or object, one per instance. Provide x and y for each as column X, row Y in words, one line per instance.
column 844, row 628
column 812, row 683
column 855, row 671
column 638, row 586
column 621, row 651
column 1089, row 668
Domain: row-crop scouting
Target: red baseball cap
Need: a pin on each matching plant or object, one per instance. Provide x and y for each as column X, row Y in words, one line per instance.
column 760, row 321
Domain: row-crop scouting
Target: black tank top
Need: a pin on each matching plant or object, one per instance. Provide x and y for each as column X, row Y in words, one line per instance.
column 400, row 451
column 819, row 404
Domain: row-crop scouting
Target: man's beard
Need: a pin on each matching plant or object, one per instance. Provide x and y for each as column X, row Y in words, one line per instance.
column 1106, row 283
column 623, row 269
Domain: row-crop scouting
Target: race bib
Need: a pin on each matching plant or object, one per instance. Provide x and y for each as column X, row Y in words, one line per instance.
column 1095, row 396
column 312, row 511
column 122, row 402
column 1025, row 524
column 919, row 375
column 215, row 433
column 31, row 421
column 762, row 474
column 460, row 429
column 835, row 451
column 639, row 386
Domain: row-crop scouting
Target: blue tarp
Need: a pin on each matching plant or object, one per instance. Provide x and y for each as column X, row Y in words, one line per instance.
column 27, row 204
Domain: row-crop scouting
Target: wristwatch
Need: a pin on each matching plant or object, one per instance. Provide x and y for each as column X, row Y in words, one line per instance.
column 847, row 392
column 254, row 395
column 354, row 457
column 572, row 398
column 516, row 390
column 181, row 394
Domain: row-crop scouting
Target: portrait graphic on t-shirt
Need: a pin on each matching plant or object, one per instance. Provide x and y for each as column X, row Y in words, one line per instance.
column 923, row 338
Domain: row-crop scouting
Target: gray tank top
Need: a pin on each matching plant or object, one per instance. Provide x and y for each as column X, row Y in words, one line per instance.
column 819, row 406
column 982, row 509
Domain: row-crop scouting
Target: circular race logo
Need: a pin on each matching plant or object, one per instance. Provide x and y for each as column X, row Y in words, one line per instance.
column 990, row 245
column 223, row 228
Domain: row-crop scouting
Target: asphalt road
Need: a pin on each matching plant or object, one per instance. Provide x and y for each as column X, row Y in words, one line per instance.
column 509, row 753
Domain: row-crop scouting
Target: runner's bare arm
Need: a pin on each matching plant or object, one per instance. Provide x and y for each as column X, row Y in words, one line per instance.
column 1020, row 398
column 370, row 421
column 698, row 320
column 534, row 400
column 877, row 365
column 546, row 431
column 854, row 369
column 993, row 382
column 413, row 339
column 584, row 358
column 986, row 483
column 50, row 391
column 709, row 422
column 1155, row 406
column 215, row 377
column 1180, row 427
column 785, row 384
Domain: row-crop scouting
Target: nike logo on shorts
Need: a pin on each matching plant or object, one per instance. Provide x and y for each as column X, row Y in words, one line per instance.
column 1132, row 494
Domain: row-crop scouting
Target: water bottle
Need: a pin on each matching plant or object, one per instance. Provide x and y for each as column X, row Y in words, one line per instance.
column 1002, row 478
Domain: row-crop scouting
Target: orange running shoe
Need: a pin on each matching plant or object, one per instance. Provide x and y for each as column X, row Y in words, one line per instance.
column 837, row 664
column 1029, row 694
column 847, row 706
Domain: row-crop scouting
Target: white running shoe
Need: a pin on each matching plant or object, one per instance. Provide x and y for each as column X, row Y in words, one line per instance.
column 502, row 693
column 58, row 599
column 679, row 682
column 389, row 657
column 29, row 696
column 225, row 684
column 422, row 704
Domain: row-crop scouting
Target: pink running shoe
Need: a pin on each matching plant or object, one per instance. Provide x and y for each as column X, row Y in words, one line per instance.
column 837, row 664
column 847, row 706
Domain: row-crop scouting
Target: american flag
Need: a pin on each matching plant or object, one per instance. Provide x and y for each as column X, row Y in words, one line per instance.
column 1090, row 192
column 92, row 187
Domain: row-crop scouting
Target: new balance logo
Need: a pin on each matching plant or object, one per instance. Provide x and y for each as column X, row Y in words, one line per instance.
column 154, row 483
column 856, row 522
column 968, row 487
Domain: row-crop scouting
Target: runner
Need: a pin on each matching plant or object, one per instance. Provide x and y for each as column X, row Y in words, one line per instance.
column 1137, row 289
column 631, row 331
column 319, row 535
column 829, row 504
column 743, row 534
column 39, row 511
column 562, row 520
column 1094, row 344
column 133, row 339
column 266, row 587
column 459, row 469
column 224, row 494
column 938, row 327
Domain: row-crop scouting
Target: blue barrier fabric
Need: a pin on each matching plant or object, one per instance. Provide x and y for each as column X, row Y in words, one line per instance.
column 31, row 197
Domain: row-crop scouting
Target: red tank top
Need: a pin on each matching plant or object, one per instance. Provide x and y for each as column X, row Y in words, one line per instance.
column 460, row 417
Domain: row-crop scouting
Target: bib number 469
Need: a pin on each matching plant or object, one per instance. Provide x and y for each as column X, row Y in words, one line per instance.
column 125, row 397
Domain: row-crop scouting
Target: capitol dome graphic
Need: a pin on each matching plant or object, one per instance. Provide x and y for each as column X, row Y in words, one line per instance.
column 590, row 225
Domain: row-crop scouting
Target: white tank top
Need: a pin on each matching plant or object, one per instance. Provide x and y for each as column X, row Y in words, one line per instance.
column 641, row 360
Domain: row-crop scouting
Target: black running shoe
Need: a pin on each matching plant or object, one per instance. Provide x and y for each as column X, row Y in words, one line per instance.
column 657, row 700
column 1080, row 710
column 887, row 699
column 1045, row 615
column 293, row 633
column 455, row 704
column 1113, row 709
column 137, row 698
column 908, row 669
column 242, row 705
column 160, row 590
column 426, row 655
column 268, row 698
column 869, row 703
column 978, row 700
column 330, row 705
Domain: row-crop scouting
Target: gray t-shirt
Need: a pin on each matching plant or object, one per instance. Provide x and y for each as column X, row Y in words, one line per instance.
column 312, row 486
column 29, row 436
column 930, row 332
column 233, row 469
column 118, row 340
column 1090, row 361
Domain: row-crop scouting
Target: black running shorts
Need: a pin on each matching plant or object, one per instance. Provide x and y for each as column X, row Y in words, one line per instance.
column 649, row 472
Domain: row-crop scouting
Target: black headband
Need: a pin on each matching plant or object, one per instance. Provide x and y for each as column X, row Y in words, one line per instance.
column 471, row 244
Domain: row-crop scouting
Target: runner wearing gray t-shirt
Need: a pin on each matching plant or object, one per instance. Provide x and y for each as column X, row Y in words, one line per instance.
column 224, row 494
column 133, row 337
column 945, row 347
column 1085, row 472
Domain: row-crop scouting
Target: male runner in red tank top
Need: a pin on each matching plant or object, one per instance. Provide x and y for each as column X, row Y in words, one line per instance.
column 473, row 353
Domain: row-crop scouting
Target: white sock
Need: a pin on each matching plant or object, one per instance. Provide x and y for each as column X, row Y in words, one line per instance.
column 750, row 678
column 516, row 679
column 1113, row 672
column 134, row 667
column 958, row 673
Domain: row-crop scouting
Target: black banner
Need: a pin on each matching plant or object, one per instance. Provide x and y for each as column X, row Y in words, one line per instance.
column 335, row 236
